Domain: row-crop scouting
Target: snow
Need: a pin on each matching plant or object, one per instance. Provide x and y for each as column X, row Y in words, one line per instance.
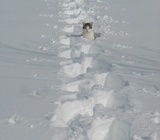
column 114, row 82
column 100, row 128
column 57, row 85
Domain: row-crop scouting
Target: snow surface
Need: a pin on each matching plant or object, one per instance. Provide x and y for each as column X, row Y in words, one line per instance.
column 57, row 85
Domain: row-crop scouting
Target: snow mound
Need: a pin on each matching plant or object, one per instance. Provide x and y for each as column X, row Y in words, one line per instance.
column 100, row 128
column 64, row 40
column 100, row 64
column 118, row 131
column 108, row 129
column 87, row 84
column 72, row 86
column 80, row 49
column 76, row 68
column 73, row 69
column 114, row 82
column 100, row 78
column 66, row 112
column 103, row 97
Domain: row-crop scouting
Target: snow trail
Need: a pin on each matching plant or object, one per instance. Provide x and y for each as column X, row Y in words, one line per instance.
column 91, row 88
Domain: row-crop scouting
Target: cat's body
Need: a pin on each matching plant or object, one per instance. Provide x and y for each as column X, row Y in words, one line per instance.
column 88, row 31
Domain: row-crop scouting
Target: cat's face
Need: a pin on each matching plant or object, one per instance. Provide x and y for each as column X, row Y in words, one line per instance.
column 88, row 26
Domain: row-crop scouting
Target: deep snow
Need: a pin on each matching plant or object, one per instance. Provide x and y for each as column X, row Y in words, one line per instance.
column 56, row 85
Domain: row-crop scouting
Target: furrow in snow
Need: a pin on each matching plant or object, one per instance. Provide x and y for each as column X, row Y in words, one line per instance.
column 92, row 88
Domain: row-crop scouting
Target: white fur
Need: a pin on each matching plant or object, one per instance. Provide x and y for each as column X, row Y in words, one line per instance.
column 89, row 34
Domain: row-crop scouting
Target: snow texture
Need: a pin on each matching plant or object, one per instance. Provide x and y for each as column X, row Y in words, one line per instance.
column 57, row 85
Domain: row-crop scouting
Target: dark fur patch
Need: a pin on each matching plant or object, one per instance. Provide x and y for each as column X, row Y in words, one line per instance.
column 85, row 25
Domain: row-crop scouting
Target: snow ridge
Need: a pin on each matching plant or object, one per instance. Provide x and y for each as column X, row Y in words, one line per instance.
column 90, row 90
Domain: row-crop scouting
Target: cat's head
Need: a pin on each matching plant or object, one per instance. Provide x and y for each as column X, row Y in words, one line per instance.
column 88, row 26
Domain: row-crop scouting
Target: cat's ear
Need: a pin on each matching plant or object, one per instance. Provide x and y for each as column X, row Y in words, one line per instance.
column 91, row 23
column 83, row 23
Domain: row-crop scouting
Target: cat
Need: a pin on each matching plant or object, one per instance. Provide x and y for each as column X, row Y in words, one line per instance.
column 88, row 31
